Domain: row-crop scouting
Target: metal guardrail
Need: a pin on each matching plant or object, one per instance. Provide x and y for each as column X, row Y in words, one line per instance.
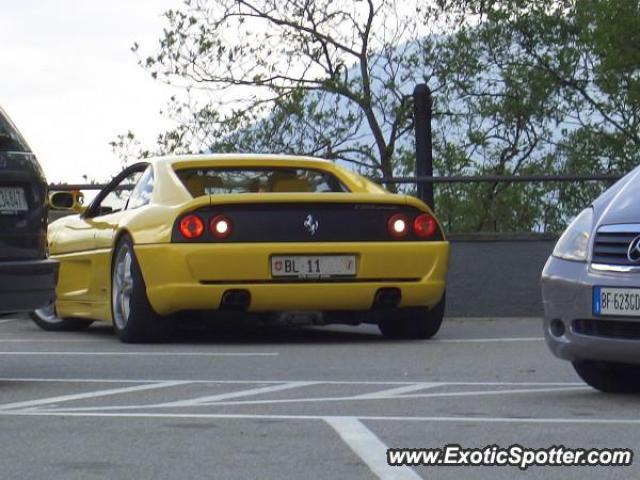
column 500, row 178
column 76, row 186
column 83, row 186
column 417, row 180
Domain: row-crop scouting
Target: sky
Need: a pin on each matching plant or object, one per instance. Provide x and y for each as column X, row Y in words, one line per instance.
column 69, row 80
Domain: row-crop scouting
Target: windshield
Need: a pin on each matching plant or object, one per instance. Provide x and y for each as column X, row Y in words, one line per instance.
column 216, row 181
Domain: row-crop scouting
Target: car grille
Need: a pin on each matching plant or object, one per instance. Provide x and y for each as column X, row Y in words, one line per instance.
column 610, row 247
column 607, row 328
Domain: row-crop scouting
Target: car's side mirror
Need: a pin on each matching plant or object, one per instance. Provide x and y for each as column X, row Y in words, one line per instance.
column 104, row 210
column 67, row 200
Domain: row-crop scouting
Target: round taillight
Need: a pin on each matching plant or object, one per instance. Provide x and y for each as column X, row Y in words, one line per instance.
column 398, row 225
column 220, row 226
column 191, row 227
column 424, row 226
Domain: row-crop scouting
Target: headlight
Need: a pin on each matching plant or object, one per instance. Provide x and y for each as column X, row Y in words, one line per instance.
column 574, row 242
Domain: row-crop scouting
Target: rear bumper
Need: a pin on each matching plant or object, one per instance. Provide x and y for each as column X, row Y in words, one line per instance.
column 195, row 277
column 28, row 284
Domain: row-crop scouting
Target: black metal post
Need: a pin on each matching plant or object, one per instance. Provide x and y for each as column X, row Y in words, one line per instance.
column 422, row 113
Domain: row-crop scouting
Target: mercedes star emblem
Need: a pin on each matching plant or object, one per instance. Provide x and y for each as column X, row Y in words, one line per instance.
column 633, row 252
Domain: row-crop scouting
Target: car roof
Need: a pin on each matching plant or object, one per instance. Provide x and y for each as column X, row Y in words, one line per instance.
column 241, row 159
column 172, row 190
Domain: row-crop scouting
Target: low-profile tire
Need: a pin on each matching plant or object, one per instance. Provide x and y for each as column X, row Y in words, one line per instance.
column 609, row 377
column 134, row 320
column 412, row 322
column 47, row 319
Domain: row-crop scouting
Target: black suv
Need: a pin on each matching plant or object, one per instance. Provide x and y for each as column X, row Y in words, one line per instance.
column 27, row 277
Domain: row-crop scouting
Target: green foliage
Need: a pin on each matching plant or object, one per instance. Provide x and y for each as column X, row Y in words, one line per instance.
column 311, row 77
column 547, row 87
column 520, row 87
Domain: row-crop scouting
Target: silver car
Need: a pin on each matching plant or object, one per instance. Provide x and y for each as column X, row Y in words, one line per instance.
column 591, row 290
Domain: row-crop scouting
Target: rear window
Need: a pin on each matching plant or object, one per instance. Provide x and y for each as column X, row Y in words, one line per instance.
column 10, row 139
column 218, row 181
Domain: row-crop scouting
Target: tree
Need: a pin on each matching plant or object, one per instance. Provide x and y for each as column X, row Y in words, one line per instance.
column 541, row 87
column 308, row 76
column 520, row 87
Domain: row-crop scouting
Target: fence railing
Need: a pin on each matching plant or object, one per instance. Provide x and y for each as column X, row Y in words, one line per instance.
column 500, row 178
column 428, row 179
column 56, row 187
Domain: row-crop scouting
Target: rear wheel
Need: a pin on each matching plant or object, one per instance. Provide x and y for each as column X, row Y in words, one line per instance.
column 134, row 320
column 609, row 377
column 413, row 322
column 47, row 319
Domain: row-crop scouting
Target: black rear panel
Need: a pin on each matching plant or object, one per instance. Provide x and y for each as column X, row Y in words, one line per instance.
column 305, row 222
column 23, row 233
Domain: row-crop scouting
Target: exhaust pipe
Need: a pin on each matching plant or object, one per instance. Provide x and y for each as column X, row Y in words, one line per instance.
column 238, row 300
column 387, row 298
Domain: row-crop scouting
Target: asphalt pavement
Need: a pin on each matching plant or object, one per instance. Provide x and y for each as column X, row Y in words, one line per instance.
column 316, row 402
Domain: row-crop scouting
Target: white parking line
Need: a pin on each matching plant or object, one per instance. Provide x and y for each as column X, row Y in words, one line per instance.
column 212, row 399
column 8, row 320
column 473, row 393
column 222, row 416
column 259, row 382
column 443, row 340
column 83, row 396
column 396, row 391
column 147, row 354
column 487, row 340
column 48, row 340
column 369, row 448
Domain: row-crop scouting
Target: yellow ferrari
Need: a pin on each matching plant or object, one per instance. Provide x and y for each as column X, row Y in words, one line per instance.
column 266, row 235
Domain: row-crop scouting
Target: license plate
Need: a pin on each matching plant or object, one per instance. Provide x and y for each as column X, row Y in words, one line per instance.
column 623, row 302
column 12, row 200
column 318, row 266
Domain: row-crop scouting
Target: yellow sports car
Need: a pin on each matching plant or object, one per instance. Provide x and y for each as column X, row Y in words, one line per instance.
column 267, row 235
